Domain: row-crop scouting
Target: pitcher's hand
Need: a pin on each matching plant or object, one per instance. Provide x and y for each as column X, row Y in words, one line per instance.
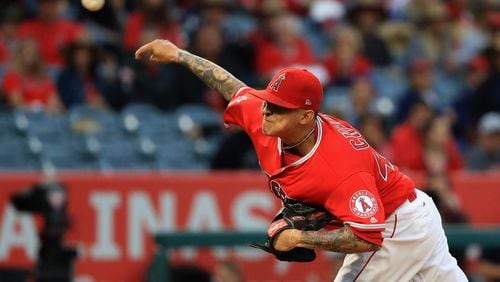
column 159, row 51
column 287, row 240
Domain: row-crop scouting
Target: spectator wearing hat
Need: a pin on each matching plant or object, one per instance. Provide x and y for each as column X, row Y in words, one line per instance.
column 485, row 155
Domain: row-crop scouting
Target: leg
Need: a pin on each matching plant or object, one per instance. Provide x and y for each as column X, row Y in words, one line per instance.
column 414, row 246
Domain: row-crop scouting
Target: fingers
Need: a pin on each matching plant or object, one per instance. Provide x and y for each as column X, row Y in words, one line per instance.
column 143, row 50
column 153, row 58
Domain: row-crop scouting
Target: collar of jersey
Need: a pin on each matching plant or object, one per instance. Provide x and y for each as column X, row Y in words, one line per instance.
column 308, row 155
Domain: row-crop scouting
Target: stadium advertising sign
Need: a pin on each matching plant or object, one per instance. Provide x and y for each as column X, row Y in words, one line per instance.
column 113, row 217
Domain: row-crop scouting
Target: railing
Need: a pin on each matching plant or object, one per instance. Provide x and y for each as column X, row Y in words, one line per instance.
column 458, row 237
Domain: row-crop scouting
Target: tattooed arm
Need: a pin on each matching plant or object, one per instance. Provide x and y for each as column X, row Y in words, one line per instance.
column 163, row 51
column 213, row 75
column 342, row 240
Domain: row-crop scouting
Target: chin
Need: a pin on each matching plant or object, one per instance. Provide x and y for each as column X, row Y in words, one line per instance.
column 265, row 132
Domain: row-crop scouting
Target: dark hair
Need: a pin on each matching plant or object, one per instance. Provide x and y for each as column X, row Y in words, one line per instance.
column 71, row 49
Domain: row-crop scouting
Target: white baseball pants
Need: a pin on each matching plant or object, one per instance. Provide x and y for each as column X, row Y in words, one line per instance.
column 414, row 249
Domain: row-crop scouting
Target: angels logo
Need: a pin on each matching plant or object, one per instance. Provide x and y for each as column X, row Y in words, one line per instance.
column 363, row 204
column 276, row 84
column 277, row 190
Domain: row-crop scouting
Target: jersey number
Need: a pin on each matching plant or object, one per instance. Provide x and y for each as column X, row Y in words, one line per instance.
column 383, row 165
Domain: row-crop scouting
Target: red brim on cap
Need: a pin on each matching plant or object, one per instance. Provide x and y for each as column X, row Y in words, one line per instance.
column 273, row 99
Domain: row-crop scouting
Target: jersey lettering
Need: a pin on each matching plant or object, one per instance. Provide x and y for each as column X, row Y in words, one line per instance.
column 355, row 138
column 359, row 143
column 276, row 84
column 348, row 132
column 383, row 165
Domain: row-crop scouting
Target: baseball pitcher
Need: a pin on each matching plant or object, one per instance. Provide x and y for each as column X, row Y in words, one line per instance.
column 338, row 193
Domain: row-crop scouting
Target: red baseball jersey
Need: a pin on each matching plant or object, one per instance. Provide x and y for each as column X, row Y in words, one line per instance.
column 341, row 173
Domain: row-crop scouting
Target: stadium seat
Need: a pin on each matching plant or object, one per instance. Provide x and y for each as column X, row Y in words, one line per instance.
column 14, row 155
column 90, row 121
column 136, row 114
column 179, row 154
column 47, row 128
column 66, row 155
column 191, row 116
column 123, row 154
column 6, row 122
column 146, row 120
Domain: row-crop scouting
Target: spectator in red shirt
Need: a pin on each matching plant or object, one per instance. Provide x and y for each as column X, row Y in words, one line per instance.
column 27, row 85
column 154, row 15
column 279, row 43
column 424, row 143
column 440, row 150
column 51, row 31
column 344, row 60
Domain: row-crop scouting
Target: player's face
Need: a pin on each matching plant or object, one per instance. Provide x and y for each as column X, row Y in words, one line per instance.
column 276, row 120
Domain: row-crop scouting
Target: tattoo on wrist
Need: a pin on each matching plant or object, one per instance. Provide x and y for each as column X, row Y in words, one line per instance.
column 342, row 240
column 213, row 75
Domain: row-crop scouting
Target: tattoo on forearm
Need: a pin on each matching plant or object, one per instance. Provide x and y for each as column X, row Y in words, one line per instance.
column 341, row 240
column 213, row 75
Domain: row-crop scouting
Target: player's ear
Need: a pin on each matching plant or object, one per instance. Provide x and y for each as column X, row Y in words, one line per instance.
column 307, row 116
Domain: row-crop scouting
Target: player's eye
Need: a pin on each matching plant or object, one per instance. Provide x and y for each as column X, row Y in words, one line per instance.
column 275, row 109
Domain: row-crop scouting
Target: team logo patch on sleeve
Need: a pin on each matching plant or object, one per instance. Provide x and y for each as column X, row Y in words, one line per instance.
column 363, row 204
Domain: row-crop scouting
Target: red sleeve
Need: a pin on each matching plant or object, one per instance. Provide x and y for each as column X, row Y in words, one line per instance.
column 356, row 203
column 244, row 110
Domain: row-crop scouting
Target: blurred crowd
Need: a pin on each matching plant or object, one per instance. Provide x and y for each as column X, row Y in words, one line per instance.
column 420, row 79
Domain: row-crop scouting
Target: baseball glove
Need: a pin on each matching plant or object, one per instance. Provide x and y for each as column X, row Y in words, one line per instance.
column 294, row 215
